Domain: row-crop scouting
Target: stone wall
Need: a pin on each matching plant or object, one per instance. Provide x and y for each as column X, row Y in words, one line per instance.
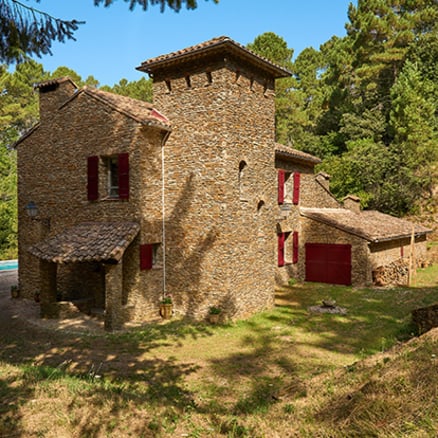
column 316, row 232
column 219, row 193
column 52, row 167
column 312, row 194
column 220, row 188
column 425, row 318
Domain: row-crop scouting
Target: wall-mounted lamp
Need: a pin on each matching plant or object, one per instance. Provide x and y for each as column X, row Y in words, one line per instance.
column 33, row 213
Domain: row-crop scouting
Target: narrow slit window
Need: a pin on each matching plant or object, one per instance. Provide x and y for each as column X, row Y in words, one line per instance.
column 243, row 170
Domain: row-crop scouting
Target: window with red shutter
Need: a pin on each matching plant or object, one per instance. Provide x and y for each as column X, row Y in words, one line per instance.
column 295, row 247
column 123, row 175
column 281, row 179
column 93, row 178
column 296, row 194
column 281, row 249
column 146, row 256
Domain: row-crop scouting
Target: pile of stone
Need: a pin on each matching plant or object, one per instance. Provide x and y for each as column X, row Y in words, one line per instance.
column 425, row 318
column 395, row 273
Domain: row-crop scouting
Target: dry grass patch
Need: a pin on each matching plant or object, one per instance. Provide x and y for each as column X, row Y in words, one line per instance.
column 285, row 372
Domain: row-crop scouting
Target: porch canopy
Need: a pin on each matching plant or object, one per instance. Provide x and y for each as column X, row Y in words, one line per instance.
column 87, row 242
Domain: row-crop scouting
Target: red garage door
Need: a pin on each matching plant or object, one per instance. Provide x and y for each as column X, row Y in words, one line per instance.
column 328, row 263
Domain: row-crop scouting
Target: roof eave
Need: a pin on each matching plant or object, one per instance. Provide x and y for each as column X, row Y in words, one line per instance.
column 150, row 123
column 275, row 70
column 313, row 161
column 400, row 236
column 363, row 235
column 27, row 134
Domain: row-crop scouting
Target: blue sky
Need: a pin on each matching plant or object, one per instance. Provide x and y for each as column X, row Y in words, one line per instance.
column 115, row 40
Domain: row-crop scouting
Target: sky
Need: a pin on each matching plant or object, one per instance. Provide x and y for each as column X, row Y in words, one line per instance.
column 115, row 40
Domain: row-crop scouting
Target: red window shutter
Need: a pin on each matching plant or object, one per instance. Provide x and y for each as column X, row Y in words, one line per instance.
column 281, row 249
column 281, row 178
column 402, row 251
column 295, row 247
column 296, row 196
column 93, row 178
column 146, row 252
column 123, row 170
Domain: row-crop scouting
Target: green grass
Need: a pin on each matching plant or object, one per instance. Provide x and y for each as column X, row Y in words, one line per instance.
column 285, row 370
column 426, row 276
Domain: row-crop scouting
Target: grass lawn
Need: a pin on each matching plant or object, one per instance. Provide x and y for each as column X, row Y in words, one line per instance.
column 284, row 372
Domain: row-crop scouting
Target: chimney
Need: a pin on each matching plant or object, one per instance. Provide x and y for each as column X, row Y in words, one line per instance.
column 53, row 93
column 352, row 203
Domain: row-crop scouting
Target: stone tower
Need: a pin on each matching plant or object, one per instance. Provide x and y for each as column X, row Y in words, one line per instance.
column 219, row 176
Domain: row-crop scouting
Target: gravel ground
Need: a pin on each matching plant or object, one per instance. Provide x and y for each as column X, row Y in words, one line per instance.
column 7, row 279
column 27, row 311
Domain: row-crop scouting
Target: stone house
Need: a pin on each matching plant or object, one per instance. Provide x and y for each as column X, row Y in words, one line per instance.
column 122, row 202
column 322, row 240
column 134, row 204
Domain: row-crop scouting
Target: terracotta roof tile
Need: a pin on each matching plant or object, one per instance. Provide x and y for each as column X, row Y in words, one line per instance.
column 53, row 83
column 370, row 225
column 139, row 110
column 222, row 42
column 87, row 242
column 295, row 154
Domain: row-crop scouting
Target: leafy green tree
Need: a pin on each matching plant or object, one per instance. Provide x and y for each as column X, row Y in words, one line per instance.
column 19, row 108
column 26, row 31
column 8, row 203
column 75, row 77
column 18, row 112
column 379, row 88
column 308, row 97
column 275, row 49
column 415, row 123
column 141, row 89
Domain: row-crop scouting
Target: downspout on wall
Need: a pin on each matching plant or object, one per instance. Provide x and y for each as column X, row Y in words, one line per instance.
column 163, row 208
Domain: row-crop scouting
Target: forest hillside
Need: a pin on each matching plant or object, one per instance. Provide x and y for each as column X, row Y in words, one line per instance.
column 366, row 103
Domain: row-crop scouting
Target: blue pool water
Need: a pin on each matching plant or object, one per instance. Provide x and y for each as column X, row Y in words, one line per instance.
column 7, row 265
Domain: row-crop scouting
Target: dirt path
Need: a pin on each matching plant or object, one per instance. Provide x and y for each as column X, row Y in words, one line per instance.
column 80, row 342
column 27, row 312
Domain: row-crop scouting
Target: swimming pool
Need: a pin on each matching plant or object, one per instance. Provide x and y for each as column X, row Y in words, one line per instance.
column 8, row 265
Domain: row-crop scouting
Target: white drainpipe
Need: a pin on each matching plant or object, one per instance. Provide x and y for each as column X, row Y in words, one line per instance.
column 166, row 136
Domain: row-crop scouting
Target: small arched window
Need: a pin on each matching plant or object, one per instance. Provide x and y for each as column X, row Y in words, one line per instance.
column 260, row 206
column 243, row 185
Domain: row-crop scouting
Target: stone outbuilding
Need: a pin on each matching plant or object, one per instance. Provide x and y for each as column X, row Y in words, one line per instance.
column 122, row 203
column 323, row 240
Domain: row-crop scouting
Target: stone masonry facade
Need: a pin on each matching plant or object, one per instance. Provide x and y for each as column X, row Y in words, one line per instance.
column 186, row 190
column 201, row 187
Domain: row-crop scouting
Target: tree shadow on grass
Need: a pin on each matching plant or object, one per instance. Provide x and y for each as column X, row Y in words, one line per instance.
column 111, row 370
column 125, row 363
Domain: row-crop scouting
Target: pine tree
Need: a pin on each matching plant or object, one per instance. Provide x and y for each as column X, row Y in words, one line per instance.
column 26, row 31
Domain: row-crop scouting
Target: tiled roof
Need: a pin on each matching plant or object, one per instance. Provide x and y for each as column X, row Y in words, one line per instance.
column 295, row 154
column 87, row 242
column 370, row 225
column 139, row 110
column 28, row 133
column 210, row 46
column 53, row 83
